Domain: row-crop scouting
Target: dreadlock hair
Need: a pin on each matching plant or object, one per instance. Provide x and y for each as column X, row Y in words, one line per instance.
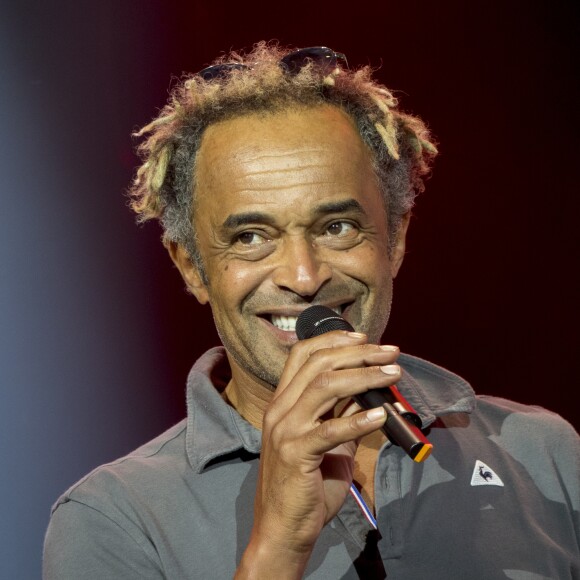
column 164, row 187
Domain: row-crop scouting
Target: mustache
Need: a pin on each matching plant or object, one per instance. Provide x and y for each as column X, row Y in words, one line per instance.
column 281, row 298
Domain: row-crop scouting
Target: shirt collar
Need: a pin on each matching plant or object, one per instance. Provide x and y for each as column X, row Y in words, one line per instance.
column 215, row 429
column 432, row 390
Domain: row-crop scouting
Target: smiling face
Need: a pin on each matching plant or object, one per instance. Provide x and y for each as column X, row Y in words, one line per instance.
column 288, row 214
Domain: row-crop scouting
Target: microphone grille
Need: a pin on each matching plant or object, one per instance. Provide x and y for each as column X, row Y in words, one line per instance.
column 317, row 320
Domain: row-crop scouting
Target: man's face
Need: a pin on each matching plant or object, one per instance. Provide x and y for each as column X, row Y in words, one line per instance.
column 288, row 214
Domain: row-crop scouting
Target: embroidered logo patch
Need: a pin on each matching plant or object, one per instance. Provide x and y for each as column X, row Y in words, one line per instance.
column 484, row 475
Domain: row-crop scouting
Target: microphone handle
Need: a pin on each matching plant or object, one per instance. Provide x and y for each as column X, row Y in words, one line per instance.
column 400, row 427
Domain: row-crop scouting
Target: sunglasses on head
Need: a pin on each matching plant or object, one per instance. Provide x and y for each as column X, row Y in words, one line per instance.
column 324, row 58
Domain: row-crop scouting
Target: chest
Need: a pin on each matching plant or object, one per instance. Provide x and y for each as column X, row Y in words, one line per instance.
column 365, row 465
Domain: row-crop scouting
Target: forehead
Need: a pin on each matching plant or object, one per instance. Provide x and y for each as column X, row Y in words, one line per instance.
column 298, row 154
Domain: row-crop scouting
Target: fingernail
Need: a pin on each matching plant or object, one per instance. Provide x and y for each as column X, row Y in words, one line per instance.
column 390, row 369
column 356, row 334
column 388, row 347
column 375, row 414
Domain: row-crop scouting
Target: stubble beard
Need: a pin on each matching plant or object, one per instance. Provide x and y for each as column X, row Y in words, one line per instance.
column 251, row 363
column 268, row 369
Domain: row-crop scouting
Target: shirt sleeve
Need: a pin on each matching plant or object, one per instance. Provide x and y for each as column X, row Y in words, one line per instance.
column 82, row 543
column 569, row 460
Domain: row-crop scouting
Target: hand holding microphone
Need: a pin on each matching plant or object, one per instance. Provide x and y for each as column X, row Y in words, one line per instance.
column 307, row 460
column 402, row 426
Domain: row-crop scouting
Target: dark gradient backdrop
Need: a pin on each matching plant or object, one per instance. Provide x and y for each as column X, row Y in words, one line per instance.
column 96, row 332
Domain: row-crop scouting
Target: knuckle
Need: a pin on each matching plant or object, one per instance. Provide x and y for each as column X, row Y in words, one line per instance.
column 372, row 374
column 284, row 451
column 326, row 431
column 311, row 354
column 268, row 419
column 271, row 418
column 354, row 422
column 298, row 348
column 317, row 356
column 326, row 358
column 320, row 381
column 281, row 444
column 368, row 372
column 366, row 347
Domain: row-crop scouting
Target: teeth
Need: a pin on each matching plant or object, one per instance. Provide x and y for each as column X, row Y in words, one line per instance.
column 288, row 323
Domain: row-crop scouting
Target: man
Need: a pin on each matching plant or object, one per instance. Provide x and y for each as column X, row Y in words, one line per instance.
column 285, row 180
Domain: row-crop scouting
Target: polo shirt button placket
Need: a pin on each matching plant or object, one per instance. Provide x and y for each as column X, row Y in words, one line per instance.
column 388, row 504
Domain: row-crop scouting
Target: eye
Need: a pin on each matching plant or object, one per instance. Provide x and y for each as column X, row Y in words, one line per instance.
column 341, row 229
column 251, row 238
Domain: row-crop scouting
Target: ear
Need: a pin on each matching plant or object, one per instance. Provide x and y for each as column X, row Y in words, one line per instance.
column 189, row 272
column 399, row 247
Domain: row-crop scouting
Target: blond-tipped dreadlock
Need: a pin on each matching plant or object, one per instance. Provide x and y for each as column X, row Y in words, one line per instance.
column 164, row 186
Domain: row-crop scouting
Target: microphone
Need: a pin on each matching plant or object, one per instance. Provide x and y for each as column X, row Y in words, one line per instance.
column 403, row 424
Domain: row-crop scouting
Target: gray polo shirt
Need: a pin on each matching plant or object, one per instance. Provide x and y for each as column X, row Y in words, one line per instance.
column 498, row 498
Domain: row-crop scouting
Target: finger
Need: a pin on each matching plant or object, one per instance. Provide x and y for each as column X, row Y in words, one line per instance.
column 323, row 393
column 330, row 434
column 322, row 360
column 304, row 349
column 328, row 388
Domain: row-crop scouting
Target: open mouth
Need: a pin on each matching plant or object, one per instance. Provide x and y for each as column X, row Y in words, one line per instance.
column 288, row 323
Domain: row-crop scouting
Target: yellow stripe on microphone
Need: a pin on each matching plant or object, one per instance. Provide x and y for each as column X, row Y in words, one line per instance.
column 424, row 452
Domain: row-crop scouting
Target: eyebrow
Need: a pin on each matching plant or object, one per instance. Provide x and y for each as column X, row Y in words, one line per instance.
column 340, row 207
column 236, row 220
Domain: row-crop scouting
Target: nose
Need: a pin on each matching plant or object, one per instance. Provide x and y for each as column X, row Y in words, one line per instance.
column 300, row 268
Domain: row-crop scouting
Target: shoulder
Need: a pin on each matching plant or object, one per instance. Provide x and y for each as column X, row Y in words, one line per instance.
column 539, row 442
column 141, row 471
column 108, row 511
column 528, row 418
column 541, row 430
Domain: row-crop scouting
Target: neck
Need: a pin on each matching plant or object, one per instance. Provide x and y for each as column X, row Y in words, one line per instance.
column 249, row 396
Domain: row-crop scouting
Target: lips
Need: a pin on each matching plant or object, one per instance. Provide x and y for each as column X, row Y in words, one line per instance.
column 288, row 323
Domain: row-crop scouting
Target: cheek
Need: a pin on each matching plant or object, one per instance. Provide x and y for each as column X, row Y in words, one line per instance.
column 242, row 274
column 368, row 264
column 233, row 281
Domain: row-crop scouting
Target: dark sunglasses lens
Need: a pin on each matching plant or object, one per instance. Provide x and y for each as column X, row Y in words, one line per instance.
column 220, row 70
column 323, row 57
